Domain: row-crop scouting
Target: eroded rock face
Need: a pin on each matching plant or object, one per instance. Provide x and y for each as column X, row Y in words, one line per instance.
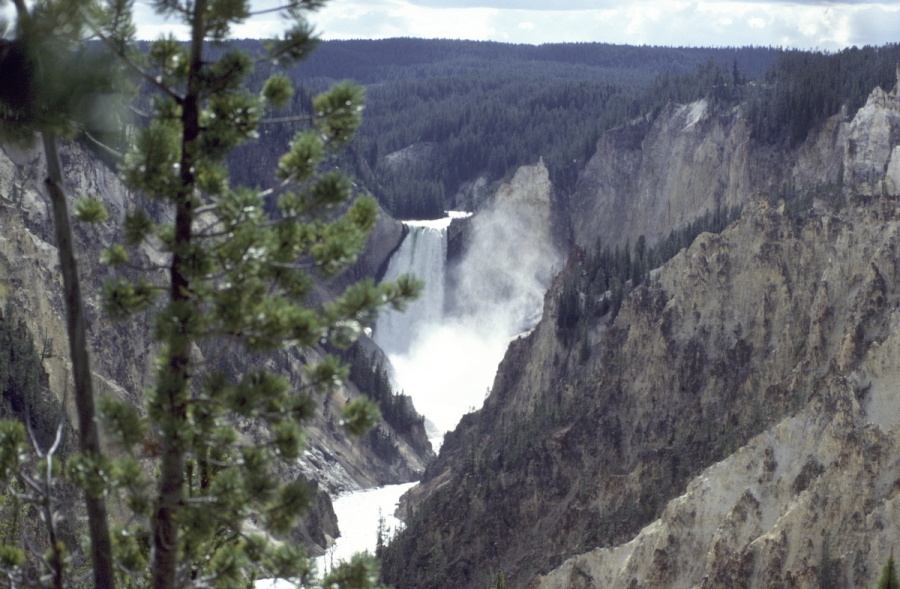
column 122, row 354
column 658, row 174
column 652, row 176
column 810, row 503
column 769, row 327
column 871, row 139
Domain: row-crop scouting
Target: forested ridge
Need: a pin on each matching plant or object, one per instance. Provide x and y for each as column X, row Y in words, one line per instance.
column 482, row 109
column 803, row 88
column 373, row 61
column 486, row 108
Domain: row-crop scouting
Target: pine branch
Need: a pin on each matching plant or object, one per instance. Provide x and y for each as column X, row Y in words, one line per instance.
column 150, row 79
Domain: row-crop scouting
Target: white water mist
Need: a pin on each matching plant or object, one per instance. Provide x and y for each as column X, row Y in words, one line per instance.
column 447, row 363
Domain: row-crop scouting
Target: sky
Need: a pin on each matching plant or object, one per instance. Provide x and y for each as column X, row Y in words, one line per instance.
column 805, row 24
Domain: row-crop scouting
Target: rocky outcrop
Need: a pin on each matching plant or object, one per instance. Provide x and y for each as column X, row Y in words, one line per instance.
column 873, row 137
column 811, row 503
column 122, row 354
column 661, row 172
column 319, row 527
column 769, row 327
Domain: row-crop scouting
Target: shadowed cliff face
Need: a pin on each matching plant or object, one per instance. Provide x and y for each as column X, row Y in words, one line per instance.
column 122, row 355
column 767, row 320
column 810, row 502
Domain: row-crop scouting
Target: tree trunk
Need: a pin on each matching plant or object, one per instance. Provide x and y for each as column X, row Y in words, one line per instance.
column 176, row 393
column 101, row 548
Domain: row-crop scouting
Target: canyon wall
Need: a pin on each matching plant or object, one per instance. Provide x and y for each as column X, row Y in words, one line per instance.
column 734, row 425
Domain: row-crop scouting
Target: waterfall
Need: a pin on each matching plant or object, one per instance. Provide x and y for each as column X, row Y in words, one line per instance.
column 423, row 254
column 447, row 363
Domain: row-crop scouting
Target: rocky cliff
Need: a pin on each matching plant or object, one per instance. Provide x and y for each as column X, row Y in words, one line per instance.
column 122, row 354
column 734, row 426
column 660, row 172
column 811, row 501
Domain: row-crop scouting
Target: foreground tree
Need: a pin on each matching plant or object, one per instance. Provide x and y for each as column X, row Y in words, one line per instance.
column 888, row 578
column 51, row 86
column 237, row 274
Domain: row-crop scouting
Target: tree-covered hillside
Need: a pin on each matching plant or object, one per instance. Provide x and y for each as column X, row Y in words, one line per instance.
column 481, row 109
column 378, row 61
column 485, row 108
column 803, row 88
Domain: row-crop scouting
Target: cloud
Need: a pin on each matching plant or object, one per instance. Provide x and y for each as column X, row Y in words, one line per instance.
column 817, row 24
column 871, row 22
column 538, row 5
column 379, row 19
column 579, row 5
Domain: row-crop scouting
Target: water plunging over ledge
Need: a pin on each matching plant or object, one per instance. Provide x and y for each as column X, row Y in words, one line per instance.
column 447, row 364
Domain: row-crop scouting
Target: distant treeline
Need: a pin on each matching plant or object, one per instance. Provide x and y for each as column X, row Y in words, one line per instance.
column 489, row 108
column 798, row 92
column 802, row 89
column 386, row 60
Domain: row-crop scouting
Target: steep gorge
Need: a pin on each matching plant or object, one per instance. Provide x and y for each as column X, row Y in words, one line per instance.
column 661, row 171
column 765, row 346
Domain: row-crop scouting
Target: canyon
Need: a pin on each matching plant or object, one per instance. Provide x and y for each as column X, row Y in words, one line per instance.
column 733, row 425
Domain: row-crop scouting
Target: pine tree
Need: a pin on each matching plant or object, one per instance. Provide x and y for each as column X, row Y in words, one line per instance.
column 51, row 87
column 380, row 535
column 234, row 273
column 888, row 578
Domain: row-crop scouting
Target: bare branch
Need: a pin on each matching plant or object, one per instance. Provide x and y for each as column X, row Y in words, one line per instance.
column 103, row 146
column 141, row 113
column 307, row 265
column 142, row 268
column 58, row 440
column 31, row 483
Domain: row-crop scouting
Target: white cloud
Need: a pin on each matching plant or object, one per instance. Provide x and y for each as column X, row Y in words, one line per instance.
column 656, row 22
column 398, row 18
column 808, row 25
column 151, row 25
